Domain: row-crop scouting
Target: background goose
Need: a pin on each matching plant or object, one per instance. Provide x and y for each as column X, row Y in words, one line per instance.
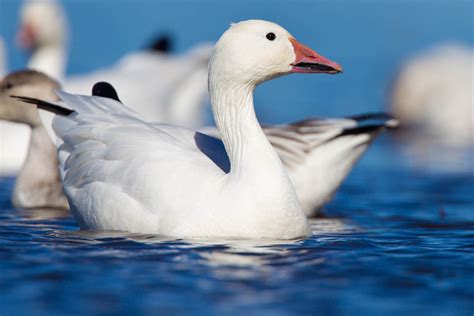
column 161, row 87
column 433, row 95
column 38, row 184
column 122, row 173
column 44, row 32
column 149, row 80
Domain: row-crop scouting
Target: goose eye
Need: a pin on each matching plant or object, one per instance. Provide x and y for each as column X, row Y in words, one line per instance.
column 8, row 85
column 271, row 36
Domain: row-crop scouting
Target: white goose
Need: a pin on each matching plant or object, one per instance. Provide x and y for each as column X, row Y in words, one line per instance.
column 122, row 173
column 433, row 94
column 38, row 184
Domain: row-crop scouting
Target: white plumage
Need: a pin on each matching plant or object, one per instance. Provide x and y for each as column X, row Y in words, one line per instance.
column 318, row 153
column 122, row 173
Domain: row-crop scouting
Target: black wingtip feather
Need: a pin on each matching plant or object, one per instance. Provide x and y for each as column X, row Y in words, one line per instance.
column 366, row 129
column 106, row 90
column 378, row 122
column 161, row 44
column 44, row 105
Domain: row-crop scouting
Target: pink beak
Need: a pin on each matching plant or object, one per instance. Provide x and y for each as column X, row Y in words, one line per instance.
column 26, row 36
column 308, row 61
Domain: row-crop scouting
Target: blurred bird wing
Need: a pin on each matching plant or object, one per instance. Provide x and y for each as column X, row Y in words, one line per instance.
column 295, row 141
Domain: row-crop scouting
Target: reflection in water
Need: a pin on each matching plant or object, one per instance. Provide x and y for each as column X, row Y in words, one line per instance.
column 427, row 154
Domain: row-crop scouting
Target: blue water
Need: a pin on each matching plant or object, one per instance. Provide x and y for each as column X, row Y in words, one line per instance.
column 398, row 238
column 399, row 241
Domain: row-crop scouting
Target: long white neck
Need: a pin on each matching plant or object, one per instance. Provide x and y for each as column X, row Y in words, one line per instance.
column 250, row 153
column 49, row 59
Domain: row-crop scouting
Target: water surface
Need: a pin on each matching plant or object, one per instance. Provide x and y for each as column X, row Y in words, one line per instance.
column 398, row 241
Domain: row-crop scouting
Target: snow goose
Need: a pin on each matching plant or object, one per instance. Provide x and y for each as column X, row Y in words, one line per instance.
column 433, row 96
column 38, row 184
column 123, row 173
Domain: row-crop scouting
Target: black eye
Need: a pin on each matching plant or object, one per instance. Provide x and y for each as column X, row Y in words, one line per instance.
column 271, row 36
column 8, row 85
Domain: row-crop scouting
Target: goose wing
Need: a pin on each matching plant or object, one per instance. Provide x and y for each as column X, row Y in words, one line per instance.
column 296, row 142
column 119, row 171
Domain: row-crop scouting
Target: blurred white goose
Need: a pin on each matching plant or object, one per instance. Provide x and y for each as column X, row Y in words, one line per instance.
column 38, row 184
column 122, row 173
column 149, row 81
column 160, row 87
column 44, row 31
column 433, row 94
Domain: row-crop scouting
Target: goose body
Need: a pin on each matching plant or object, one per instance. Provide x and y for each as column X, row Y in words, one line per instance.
column 123, row 173
column 160, row 87
column 171, row 188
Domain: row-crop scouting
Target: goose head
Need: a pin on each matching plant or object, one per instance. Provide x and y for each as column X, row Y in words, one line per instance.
column 28, row 83
column 254, row 51
column 42, row 24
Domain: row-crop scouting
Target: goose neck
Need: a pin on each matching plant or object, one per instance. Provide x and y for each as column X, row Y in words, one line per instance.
column 49, row 59
column 246, row 145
